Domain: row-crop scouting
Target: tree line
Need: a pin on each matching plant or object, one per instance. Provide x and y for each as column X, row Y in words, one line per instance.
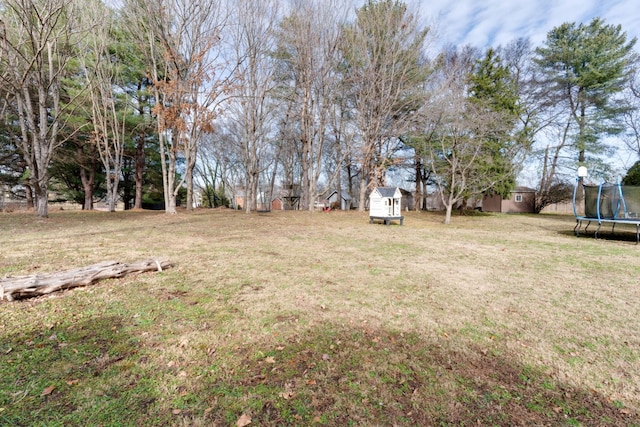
column 150, row 99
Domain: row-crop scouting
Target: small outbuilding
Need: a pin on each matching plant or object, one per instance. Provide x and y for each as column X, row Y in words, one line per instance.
column 277, row 204
column 385, row 204
column 520, row 200
column 343, row 202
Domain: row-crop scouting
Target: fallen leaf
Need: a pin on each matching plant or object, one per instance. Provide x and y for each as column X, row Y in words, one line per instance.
column 244, row 420
column 270, row 359
column 73, row 382
column 316, row 419
column 311, row 382
column 47, row 391
column 325, row 357
column 286, row 395
column 176, row 411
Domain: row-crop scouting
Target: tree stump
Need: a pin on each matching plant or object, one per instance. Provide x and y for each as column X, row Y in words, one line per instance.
column 40, row 284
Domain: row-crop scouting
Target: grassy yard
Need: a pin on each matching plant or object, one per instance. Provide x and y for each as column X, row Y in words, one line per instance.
column 292, row 318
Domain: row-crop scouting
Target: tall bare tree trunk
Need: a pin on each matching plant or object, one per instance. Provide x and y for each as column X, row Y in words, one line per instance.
column 35, row 40
column 139, row 171
column 88, row 179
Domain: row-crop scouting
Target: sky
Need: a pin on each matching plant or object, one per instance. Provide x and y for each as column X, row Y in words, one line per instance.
column 484, row 23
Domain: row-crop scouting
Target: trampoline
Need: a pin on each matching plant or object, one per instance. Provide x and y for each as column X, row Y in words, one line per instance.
column 608, row 203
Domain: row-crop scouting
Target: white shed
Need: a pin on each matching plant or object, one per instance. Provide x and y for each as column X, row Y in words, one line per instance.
column 385, row 204
column 345, row 200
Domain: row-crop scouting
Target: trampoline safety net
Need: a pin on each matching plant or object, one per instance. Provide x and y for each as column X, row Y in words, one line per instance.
column 611, row 201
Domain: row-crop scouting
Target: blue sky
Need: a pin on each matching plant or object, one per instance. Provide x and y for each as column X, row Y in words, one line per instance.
column 484, row 23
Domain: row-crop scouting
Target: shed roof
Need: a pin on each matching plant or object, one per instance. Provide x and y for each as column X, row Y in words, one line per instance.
column 345, row 195
column 521, row 189
column 387, row 191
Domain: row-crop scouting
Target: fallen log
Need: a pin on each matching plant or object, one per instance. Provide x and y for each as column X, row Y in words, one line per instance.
column 40, row 284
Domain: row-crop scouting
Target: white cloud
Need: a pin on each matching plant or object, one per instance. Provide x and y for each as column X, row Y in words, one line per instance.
column 495, row 22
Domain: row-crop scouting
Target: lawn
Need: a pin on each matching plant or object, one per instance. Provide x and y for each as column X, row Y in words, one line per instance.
column 294, row 318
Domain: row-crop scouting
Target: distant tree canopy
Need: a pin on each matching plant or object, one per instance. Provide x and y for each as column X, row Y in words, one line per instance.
column 241, row 102
column 633, row 175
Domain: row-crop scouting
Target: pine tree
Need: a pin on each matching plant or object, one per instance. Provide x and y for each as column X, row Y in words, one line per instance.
column 492, row 87
column 588, row 66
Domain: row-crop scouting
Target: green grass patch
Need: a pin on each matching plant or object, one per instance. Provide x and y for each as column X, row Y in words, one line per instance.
column 299, row 319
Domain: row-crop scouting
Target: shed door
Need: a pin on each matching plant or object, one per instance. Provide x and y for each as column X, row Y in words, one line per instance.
column 396, row 207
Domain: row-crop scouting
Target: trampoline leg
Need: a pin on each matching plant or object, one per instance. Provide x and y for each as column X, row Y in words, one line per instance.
column 637, row 233
column 597, row 229
column 576, row 229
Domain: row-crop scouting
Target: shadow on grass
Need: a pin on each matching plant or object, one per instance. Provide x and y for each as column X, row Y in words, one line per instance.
column 622, row 233
column 339, row 376
column 79, row 374
column 92, row 372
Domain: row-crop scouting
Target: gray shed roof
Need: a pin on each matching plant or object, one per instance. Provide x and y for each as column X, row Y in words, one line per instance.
column 345, row 195
column 387, row 191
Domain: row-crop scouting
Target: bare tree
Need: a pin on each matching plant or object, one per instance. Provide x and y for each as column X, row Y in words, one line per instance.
column 213, row 168
column 252, row 107
column 308, row 51
column 183, row 40
column 384, row 69
column 632, row 116
column 102, row 74
column 540, row 118
column 340, row 149
column 36, row 39
column 457, row 131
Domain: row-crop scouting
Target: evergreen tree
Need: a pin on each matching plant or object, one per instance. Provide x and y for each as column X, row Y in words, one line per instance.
column 492, row 87
column 633, row 175
column 588, row 66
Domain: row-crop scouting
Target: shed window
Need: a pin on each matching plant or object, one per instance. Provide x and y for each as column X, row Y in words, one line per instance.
column 518, row 198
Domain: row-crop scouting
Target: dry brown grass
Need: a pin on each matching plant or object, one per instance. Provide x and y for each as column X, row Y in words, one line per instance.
column 297, row 318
